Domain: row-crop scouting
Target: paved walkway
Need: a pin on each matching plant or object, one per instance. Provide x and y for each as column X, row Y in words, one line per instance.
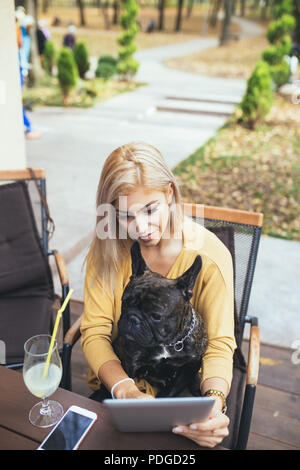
column 177, row 112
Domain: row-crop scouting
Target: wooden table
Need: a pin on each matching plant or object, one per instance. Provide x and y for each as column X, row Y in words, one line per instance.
column 16, row 432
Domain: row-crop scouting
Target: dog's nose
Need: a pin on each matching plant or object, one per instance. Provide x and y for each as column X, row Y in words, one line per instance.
column 156, row 316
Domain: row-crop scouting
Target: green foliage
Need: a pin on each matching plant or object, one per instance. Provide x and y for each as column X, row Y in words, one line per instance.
column 81, row 57
column 108, row 59
column 272, row 55
column 258, row 98
column 279, row 35
column 280, row 7
column 67, row 71
column 127, row 66
column 105, row 70
column 107, row 67
column 126, row 52
column 128, row 36
column 279, row 28
column 280, row 73
column 49, row 56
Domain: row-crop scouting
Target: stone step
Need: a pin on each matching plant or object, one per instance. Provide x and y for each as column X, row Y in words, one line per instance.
column 205, row 108
column 207, row 98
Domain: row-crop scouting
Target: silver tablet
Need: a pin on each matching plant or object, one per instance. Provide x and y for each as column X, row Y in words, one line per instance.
column 161, row 414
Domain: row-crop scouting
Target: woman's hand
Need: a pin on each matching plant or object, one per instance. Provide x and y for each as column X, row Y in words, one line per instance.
column 129, row 390
column 208, row 433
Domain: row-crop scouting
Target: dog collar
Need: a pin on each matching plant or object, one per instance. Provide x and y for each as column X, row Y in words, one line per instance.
column 178, row 345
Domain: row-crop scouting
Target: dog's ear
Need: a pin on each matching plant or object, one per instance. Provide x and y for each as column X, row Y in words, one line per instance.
column 139, row 265
column 187, row 280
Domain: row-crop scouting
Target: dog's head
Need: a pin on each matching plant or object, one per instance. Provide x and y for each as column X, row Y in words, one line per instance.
column 153, row 307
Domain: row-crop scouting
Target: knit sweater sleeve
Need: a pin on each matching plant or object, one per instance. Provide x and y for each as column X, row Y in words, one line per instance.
column 215, row 304
column 97, row 322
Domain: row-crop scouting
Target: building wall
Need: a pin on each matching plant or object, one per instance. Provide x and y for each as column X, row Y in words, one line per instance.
column 12, row 140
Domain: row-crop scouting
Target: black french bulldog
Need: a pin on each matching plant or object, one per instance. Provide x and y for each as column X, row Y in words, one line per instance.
column 161, row 338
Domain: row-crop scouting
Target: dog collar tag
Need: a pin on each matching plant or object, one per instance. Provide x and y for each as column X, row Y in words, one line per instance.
column 178, row 346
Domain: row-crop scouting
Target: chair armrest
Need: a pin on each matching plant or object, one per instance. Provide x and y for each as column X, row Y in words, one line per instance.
column 61, row 268
column 73, row 333
column 253, row 354
column 251, row 382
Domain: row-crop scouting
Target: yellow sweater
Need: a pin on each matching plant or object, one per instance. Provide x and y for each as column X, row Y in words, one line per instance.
column 212, row 298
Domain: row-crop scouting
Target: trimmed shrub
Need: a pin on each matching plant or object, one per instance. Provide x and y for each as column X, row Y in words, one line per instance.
column 105, row 70
column 272, row 55
column 49, row 56
column 81, row 56
column 107, row 67
column 280, row 7
column 67, row 71
column 258, row 98
column 279, row 35
column 280, row 73
column 108, row 59
column 279, row 28
column 127, row 66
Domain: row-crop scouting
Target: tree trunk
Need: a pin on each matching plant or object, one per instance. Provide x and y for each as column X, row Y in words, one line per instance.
column 233, row 7
column 264, row 8
column 103, row 7
column 45, row 6
column 189, row 8
column 179, row 15
column 161, row 8
column 116, row 7
column 243, row 8
column 80, row 4
column 297, row 18
column 226, row 21
column 214, row 13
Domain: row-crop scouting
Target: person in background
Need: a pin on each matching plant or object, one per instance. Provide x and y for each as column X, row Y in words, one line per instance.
column 41, row 39
column 20, row 15
column 69, row 39
column 42, row 24
column 26, row 24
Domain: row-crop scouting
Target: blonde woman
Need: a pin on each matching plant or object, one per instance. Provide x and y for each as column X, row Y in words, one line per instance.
column 138, row 198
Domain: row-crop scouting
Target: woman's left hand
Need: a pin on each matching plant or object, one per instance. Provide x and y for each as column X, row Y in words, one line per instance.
column 207, row 433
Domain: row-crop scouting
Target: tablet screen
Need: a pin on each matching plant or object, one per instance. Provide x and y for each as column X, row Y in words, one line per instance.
column 160, row 414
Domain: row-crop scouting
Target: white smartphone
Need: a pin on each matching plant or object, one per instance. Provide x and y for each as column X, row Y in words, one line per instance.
column 69, row 432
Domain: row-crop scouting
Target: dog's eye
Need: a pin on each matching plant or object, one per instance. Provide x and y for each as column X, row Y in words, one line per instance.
column 156, row 316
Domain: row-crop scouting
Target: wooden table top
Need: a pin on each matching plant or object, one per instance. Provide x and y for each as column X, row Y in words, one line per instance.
column 16, row 432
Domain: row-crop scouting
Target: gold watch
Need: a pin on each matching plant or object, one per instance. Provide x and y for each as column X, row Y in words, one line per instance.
column 217, row 393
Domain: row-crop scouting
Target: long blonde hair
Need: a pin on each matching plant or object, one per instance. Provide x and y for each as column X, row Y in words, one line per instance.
column 131, row 165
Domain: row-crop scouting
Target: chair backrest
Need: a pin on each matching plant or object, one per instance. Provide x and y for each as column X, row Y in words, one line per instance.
column 26, row 286
column 36, row 187
column 240, row 231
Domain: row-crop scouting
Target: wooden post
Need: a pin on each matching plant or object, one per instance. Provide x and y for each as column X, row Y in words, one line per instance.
column 12, row 140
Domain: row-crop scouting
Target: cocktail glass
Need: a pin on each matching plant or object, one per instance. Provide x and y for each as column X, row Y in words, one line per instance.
column 47, row 412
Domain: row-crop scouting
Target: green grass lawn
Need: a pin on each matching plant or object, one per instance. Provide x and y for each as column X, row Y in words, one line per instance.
column 87, row 93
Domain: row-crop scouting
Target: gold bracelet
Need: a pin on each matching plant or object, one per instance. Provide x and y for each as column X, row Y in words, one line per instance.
column 217, row 393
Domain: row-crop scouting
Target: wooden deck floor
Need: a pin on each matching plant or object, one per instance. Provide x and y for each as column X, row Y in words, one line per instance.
column 276, row 416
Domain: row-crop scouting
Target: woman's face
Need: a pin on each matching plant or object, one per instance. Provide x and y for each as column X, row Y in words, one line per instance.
column 144, row 214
